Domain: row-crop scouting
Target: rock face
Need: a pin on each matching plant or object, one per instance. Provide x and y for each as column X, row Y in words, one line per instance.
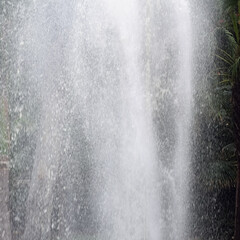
column 5, row 232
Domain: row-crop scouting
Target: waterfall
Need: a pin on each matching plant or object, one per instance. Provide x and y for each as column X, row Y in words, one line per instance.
column 111, row 96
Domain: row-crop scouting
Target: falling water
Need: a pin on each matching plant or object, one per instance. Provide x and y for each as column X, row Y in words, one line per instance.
column 183, row 119
column 110, row 97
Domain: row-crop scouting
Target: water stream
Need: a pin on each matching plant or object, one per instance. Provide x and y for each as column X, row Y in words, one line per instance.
column 111, row 94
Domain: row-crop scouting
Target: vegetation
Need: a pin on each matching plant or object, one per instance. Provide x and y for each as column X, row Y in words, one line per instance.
column 228, row 54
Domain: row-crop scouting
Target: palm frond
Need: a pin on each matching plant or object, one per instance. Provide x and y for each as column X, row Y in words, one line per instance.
column 235, row 67
column 224, row 59
column 226, row 54
column 229, row 4
column 235, row 25
column 231, row 42
column 220, row 174
column 226, row 81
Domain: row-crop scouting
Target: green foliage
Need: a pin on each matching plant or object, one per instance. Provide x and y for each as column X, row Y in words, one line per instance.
column 229, row 4
column 215, row 171
column 220, row 174
column 230, row 45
